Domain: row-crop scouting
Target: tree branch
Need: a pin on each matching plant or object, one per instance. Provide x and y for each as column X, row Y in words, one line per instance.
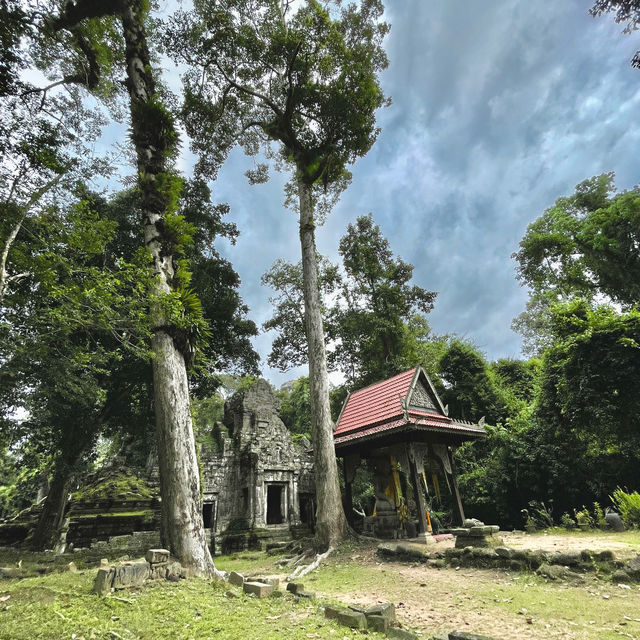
column 272, row 105
column 24, row 211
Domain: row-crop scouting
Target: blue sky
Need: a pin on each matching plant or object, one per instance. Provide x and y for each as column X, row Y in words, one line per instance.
column 499, row 107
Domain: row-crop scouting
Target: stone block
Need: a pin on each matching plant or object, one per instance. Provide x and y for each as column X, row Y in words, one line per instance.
column 158, row 571
column 156, row 556
column 72, row 567
column 378, row 623
column 552, row 571
column 131, row 574
column 401, row 634
column 258, row 589
column 605, row 556
column 472, row 522
column 386, row 609
column 633, row 567
column 295, row 587
column 104, row 581
column 352, row 619
column 306, row 595
column 174, row 571
column 272, row 580
column 387, row 549
column 413, row 550
column 331, row 611
column 620, row 575
column 504, row 552
column 236, row 578
column 465, row 635
column 615, row 521
column 478, row 531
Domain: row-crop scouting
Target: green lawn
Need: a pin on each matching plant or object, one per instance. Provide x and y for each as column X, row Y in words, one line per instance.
column 499, row 604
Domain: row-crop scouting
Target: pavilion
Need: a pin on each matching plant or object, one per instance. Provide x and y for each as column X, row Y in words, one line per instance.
column 398, row 425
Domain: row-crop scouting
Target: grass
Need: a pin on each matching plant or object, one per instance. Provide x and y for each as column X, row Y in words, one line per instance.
column 495, row 603
column 61, row 605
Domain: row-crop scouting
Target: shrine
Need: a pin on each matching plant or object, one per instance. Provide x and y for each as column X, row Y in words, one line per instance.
column 400, row 426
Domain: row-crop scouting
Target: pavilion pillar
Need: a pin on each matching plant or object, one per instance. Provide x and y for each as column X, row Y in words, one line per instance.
column 416, row 481
column 454, row 478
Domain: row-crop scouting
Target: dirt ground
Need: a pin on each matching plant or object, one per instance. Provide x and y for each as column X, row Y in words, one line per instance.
column 500, row 604
column 549, row 542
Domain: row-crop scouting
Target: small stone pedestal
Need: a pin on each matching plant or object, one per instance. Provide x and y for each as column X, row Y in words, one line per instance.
column 478, row 535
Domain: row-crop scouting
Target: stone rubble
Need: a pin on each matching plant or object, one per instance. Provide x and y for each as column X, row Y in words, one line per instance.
column 156, row 565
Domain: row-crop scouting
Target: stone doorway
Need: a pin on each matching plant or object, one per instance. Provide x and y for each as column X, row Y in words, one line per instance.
column 276, row 503
column 208, row 515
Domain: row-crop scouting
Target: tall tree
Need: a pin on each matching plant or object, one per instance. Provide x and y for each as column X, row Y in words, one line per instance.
column 74, row 326
column 373, row 317
column 176, row 315
column 44, row 135
column 306, row 80
column 289, row 348
column 374, row 333
column 586, row 244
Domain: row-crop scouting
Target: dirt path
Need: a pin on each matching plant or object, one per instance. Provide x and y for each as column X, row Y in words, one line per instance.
column 500, row 604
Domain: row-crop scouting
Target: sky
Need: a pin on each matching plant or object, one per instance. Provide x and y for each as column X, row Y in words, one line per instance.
column 498, row 108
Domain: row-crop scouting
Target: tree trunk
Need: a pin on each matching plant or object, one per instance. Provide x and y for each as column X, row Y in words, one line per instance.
column 46, row 532
column 182, row 524
column 331, row 523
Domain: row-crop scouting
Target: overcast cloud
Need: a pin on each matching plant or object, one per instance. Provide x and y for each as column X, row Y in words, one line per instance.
column 499, row 107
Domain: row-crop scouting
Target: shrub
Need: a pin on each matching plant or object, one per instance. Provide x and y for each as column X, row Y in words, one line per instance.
column 583, row 517
column 628, row 506
column 567, row 521
column 598, row 515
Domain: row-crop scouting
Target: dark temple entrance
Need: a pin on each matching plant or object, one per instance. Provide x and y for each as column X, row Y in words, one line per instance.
column 274, row 503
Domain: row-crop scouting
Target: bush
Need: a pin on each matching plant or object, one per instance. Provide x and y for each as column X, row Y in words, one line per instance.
column 567, row 521
column 628, row 506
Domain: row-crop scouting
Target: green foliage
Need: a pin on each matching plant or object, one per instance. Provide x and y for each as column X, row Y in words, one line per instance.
column 305, row 79
column 471, row 389
column 206, row 412
column 585, row 245
column 373, row 317
column 289, row 348
column 625, row 11
column 155, row 126
column 567, row 521
column 295, row 406
column 379, row 322
column 628, row 506
column 584, row 518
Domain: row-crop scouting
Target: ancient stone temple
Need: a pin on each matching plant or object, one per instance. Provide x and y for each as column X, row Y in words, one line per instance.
column 258, row 482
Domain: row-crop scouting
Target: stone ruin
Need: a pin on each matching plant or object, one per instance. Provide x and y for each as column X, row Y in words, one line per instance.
column 258, row 487
column 258, row 482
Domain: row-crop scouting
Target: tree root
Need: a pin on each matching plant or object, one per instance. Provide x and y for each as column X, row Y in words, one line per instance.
column 303, row 570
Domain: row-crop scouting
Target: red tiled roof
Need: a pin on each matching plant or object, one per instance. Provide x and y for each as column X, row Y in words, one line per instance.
column 377, row 403
column 425, row 425
column 378, row 409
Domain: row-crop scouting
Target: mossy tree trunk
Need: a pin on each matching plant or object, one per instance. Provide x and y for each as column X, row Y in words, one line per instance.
column 155, row 141
column 45, row 535
column 155, row 138
column 331, row 523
